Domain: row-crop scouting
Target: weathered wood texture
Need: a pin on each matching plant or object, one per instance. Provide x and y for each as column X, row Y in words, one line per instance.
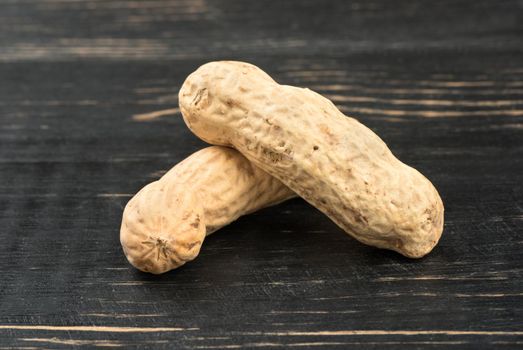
column 440, row 81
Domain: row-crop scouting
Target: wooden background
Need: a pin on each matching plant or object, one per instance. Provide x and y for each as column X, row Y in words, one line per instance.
column 440, row 81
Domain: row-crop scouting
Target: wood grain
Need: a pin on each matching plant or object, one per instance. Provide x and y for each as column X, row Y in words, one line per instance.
column 88, row 115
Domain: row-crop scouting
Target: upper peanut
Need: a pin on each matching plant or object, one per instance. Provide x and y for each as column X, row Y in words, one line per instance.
column 334, row 162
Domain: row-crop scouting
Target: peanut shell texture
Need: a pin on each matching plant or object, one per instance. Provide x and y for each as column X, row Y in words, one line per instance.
column 332, row 161
column 166, row 222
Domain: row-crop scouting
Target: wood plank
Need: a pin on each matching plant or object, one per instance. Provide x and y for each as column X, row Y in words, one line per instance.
column 89, row 114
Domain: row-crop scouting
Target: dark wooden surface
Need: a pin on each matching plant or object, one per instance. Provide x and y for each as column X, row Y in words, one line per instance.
column 440, row 81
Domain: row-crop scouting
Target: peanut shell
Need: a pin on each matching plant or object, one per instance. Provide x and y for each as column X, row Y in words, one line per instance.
column 332, row 161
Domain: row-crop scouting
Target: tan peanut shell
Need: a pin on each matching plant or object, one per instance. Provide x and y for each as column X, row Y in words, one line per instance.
column 334, row 162
column 165, row 223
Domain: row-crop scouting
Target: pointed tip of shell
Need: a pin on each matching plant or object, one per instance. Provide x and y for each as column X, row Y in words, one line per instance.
column 162, row 228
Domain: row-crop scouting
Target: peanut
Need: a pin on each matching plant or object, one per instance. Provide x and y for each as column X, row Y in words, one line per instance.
column 165, row 223
column 334, row 162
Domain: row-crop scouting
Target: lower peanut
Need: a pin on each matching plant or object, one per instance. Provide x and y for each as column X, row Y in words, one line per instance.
column 165, row 223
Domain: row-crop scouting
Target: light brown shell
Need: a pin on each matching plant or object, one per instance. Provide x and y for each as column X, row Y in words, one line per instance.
column 165, row 223
column 334, row 162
